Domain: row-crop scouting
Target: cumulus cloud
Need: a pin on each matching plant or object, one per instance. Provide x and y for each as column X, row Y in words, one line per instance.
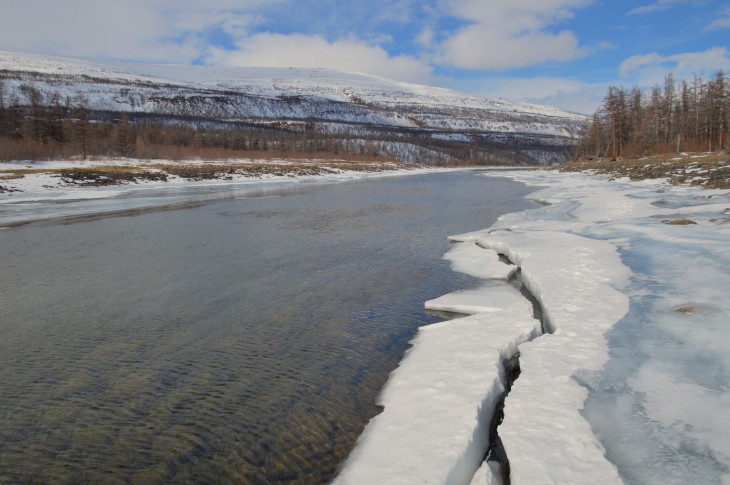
column 299, row 50
column 649, row 69
column 568, row 94
column 182, row 31
column 147, row 30
column 504, row 35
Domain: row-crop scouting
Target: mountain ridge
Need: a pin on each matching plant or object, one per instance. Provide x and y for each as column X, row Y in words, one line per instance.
column 331, row 102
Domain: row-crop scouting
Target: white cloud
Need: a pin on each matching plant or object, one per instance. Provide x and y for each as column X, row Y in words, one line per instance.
column 504, row 35
column 723, row 19
column 147, row 30
column 568, row 94
column 642, row 70
column 655, row 7
column 649, row 69
column 299, row 50
column 426, row 38
column 178, row 31
column 635, row 63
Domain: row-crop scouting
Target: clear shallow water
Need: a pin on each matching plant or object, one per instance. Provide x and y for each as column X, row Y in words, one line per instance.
column 238, row 340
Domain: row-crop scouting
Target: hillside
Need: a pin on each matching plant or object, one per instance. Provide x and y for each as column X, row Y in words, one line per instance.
column 409, row 122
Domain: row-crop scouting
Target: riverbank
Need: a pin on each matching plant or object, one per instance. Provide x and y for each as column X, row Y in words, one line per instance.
column 243, row 339
column 32, row 191
column 706, row 170
column 16, row 177
column 624, row 380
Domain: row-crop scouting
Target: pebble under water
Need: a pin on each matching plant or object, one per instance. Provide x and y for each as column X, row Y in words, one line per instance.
column 238, row 340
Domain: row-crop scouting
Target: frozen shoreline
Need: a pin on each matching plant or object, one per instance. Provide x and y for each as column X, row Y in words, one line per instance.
column 44, row 194
column 632, row 383
column 570, row 416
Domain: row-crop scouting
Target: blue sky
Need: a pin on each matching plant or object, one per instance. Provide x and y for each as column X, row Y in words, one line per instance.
column 559, row 52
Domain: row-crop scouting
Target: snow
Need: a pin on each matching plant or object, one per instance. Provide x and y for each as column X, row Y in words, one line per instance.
column 254, row 93
column 469, row 302
column 44, row 195
column 483, row 263
column 631, row 385
column 439, row 401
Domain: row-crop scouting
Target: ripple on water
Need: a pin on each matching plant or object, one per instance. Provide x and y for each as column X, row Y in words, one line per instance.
column 240, row 340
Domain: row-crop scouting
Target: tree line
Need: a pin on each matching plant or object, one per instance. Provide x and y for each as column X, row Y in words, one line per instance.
column 673, row 117
column 47, row 126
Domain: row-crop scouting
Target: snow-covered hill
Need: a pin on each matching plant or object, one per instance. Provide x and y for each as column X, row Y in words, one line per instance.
column 329, row 100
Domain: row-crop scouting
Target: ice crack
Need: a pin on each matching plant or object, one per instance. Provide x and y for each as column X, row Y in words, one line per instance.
column 496, row 456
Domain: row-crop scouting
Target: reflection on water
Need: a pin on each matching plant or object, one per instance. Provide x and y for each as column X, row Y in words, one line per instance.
column 241, row 340
column 105, row 202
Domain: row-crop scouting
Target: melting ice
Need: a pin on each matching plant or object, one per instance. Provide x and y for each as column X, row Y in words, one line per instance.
column 631, row 385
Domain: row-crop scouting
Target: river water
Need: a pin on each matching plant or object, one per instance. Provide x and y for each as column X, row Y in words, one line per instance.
column 242, row 339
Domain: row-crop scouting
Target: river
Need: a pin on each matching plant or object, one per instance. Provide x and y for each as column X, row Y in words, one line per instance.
column 239, row 338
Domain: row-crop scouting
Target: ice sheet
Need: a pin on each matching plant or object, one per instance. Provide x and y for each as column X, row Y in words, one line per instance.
column 659, row 404
column 491, row 298
column 631, row 386
column 440, row 400
column 573, row 277
column 479, row 262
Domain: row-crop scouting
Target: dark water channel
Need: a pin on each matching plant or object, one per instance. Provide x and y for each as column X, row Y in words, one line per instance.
column 235, row 341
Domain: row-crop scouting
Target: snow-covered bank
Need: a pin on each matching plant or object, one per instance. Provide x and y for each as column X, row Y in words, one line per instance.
column 32, row 191
column 630, row 385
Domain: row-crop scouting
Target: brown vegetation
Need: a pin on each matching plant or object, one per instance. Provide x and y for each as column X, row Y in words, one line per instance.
column 680, row 222
column 36, row 125
column 711, row 171
column 103, row 175
column 674, row 118
column 109, row 175
column 48, row 127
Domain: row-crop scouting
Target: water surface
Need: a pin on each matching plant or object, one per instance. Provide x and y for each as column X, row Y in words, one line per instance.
column 240, row 340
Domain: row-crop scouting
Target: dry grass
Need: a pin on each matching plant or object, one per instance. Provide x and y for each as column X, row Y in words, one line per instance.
column 211, row 171
column 680, row 222
column 96, row 176
column 8, row 175
column 14, row 174
column 707, row 170
column 118, row 174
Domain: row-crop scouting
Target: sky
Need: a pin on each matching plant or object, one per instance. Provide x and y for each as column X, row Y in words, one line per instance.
column 564, row 53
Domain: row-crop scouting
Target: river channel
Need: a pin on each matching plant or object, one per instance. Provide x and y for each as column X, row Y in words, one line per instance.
column 237, row 339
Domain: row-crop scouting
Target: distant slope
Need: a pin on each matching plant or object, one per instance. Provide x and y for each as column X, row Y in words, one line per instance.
column 433, row 122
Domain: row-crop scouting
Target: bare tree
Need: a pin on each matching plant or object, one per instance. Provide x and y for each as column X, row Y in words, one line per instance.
column 3, row 113
column 693, row 115
column 125, row 137
column 667, row 106
column 81, row 123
